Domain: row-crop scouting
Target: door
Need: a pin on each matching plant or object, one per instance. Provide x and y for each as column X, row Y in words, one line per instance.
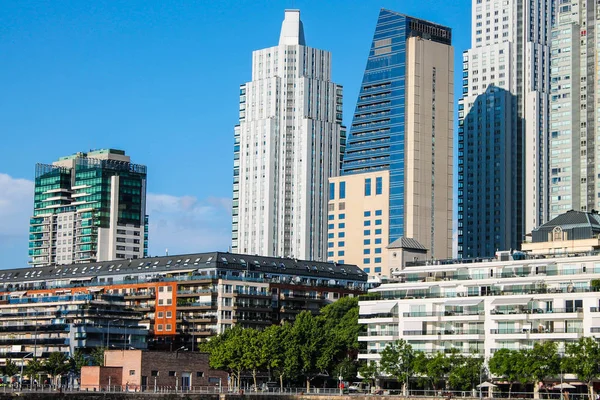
column 144, row 383
column 186, row 380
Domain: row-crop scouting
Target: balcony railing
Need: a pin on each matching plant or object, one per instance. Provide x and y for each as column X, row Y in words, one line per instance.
column 380, row 315
column 536, row 311
column 442, row 313
column 445, row 332
column 513, row 331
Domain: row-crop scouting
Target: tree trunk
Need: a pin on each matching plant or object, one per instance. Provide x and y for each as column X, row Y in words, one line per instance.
column 510, row 389
column 281, row 382
column 307, row 385
column 254, row 379
column 590, row 386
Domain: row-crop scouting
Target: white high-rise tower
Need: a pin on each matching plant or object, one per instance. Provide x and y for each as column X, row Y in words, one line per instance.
column 287, row 146
column 503, row 125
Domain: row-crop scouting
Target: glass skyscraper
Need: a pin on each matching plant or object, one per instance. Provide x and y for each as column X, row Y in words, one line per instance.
column 400, row 143
column 89, row 207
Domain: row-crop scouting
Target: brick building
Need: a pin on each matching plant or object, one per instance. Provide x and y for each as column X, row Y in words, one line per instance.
column 137, row 370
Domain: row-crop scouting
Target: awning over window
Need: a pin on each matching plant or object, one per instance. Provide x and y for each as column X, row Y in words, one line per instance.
column 463, row 302
column 515, row 301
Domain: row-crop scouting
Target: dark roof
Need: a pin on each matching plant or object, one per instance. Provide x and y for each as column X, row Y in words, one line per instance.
column 406, row 243
column 574, row 219
column 185, row 262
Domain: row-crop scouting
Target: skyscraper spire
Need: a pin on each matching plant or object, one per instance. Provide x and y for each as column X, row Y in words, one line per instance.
column 292, row 31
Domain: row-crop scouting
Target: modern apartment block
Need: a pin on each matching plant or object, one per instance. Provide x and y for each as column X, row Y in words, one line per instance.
column 574, row 167
column 89, row 207
column 502, row 139
column 397, row 166
column 287, row 146
column 185, row 299
column 508, row 301
column 37, row 324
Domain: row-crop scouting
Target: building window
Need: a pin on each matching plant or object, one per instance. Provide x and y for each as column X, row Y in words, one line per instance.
column 377, row 269
column 330, row 245
column 367, row 242
column 168, row 328
column 341, row 253
column 332, row 191
column 367, row 186
column 366, row 232
column 160, row 314
column 342, row 216
column 366, row 251
column 331, row 217
column 330, row 236
column 366, row 261
column 341, row 244
column 172, row 373
column 154, row 373
column 378, row 250
column 378, row 241
column 199, row 374
column 367, row 270
column 367, row 223
column 342, row 190
column 341, row 225
column 377, row 222
column 131, row 372
column 169, row 288
column 330, row 226
column 330, row 254
column 367, row 213
column 159, row 327
column 378, row 213
column 160, row 302
column 169, row 314
column 378, row 185
column 341, row 234
column 161, row 289
column 378, row 231
column 377, row 260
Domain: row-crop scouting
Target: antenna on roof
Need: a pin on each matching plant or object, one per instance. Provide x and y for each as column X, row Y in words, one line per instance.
column 166, row 252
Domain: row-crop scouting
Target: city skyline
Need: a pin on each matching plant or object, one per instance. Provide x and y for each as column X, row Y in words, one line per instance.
column 188, row 201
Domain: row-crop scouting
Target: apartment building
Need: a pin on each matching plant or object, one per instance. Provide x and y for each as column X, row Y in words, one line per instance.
column 38, row 323
column 89, row 207
column 286, row 146
column 184, row 299
column 482, row 305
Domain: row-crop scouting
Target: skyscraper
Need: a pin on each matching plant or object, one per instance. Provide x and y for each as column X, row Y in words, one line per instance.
column 397, row 168
column 574, row 166
column 503, row 140
column 89, row 207
column 287, row 145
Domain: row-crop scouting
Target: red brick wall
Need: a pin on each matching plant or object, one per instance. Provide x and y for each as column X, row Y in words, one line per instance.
column 95, row 378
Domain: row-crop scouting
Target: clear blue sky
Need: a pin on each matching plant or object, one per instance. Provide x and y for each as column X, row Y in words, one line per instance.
column 160, row 80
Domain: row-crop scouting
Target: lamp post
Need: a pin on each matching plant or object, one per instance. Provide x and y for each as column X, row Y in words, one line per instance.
column 22, row 363
column 108, row 333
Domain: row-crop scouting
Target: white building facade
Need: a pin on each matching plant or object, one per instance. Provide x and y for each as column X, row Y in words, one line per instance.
column 287, row 145
column 574, row 181
column 478, row 308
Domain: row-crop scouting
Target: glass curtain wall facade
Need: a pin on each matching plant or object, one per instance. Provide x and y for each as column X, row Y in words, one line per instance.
column 89, row 207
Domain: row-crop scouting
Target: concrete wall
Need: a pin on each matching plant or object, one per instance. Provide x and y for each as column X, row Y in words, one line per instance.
column 95, row 378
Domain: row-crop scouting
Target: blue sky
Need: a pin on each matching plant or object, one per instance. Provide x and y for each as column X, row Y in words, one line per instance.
column 160, row 80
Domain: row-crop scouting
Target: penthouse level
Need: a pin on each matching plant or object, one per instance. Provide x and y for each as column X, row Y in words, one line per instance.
column 186, row 298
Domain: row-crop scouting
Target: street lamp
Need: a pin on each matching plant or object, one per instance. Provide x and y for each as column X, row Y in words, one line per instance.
column 108, row 333
column 22, row 363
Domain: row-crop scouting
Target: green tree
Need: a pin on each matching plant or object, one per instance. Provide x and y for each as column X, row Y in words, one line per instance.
column 253, row 354
column 10, row 369
column 370, row 372
column 307, row 339
column 33, row 368
column 582, row 360
column 397, row 360
column 275, row 339
column 509, row 365
column 78, row 360
column 542, row 362
column 97, row 356
column 436, row 368
column 56, row 365
column 226, row 352
column 340, row 330
column 465, row 372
